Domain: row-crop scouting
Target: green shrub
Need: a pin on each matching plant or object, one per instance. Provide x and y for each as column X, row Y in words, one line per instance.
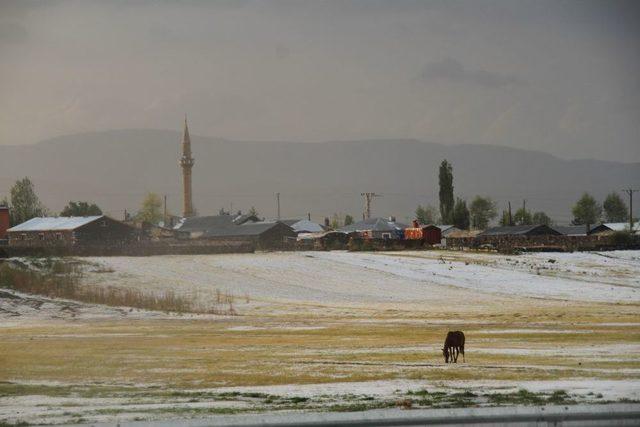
column 622, row 238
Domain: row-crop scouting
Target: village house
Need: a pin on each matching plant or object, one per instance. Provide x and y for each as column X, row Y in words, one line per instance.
column 263, row 234
column 376, row 228
column 447, row 229
column 303, row 226
column 70, row 231
column 610, row 227
column 239, row 228
column 603, row 228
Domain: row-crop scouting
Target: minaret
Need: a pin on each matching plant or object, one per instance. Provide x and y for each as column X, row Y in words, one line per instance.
column 186, row 161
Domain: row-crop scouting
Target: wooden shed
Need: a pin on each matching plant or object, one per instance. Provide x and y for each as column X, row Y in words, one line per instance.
column 70, row 231
column 429, row 234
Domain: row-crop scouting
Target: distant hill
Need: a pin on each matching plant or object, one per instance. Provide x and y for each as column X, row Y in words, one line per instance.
column 116, row 168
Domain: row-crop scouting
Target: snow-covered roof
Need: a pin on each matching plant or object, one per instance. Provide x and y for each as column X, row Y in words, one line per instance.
column 373, row 224
column 205, row 223
column 447, row 228
column 622, row 226
column 55, row 223
column 303, row 225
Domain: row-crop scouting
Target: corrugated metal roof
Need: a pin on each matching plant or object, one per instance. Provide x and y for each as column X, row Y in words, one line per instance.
column 246, row 229
column 516, row 230
column 622, row 226
column 303, row 225
column 204, row 223
column 571, row 230
column 55, row 223
column 374, row 224
column 447, row 229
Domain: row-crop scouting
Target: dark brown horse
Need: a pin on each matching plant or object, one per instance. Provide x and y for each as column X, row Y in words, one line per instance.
column 453, row 346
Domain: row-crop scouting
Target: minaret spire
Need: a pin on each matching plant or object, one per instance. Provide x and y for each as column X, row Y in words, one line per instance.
column 186, row 162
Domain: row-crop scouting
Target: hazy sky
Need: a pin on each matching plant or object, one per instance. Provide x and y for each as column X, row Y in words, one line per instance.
column 558, row 76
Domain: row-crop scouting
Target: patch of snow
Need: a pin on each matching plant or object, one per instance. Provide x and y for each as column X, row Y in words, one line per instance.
column 365, row 278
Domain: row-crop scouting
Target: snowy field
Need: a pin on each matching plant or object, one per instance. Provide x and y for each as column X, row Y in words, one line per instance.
column 326, row 331
column 393, row 277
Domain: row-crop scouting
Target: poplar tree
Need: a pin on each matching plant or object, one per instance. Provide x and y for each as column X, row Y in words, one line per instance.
column 445, row 179
column 586, row 211
column 482, row 210
column 615, row 209
column 151, row 210
column 460, row 215
column 25, row 204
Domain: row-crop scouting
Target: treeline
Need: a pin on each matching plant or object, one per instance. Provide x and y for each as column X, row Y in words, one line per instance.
column 482, row 210
column 24, row 204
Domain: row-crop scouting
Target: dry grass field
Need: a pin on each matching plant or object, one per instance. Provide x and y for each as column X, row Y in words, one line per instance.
column 332, row 331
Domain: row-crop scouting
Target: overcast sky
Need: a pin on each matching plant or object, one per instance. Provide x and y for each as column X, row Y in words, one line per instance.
column 557, row 76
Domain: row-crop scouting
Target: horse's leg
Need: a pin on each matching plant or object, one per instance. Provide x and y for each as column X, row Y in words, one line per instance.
column 455, row 352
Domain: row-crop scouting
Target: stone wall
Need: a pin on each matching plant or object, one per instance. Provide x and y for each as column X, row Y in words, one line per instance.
column 144, row 248
column 542, row 243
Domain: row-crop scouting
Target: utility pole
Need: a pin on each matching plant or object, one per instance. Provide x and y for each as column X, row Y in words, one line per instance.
column 164, row 215
column 510, row 217
column 630, row 192
column 278, row 203
column 309, row 216
column 368, row 197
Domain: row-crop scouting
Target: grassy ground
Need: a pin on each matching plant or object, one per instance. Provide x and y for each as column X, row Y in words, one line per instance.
column 268, row 351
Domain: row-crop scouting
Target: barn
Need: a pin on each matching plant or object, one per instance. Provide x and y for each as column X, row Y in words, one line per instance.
column 429, row 234
column 263, row 234
column 70, row 231
column 4, row 222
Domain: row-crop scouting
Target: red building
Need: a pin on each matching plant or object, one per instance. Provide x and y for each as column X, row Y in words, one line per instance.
column 429, row 234
column 4, row 222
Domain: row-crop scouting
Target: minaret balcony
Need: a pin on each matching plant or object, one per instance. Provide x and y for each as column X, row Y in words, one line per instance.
column 186, row 162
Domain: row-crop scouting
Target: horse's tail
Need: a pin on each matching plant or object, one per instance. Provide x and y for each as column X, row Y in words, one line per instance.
column 462, row 351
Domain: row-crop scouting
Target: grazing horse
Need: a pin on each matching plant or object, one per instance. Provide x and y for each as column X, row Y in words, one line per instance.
column 453, row 346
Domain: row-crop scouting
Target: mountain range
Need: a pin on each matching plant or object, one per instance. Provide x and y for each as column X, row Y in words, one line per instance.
column 117, row 168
